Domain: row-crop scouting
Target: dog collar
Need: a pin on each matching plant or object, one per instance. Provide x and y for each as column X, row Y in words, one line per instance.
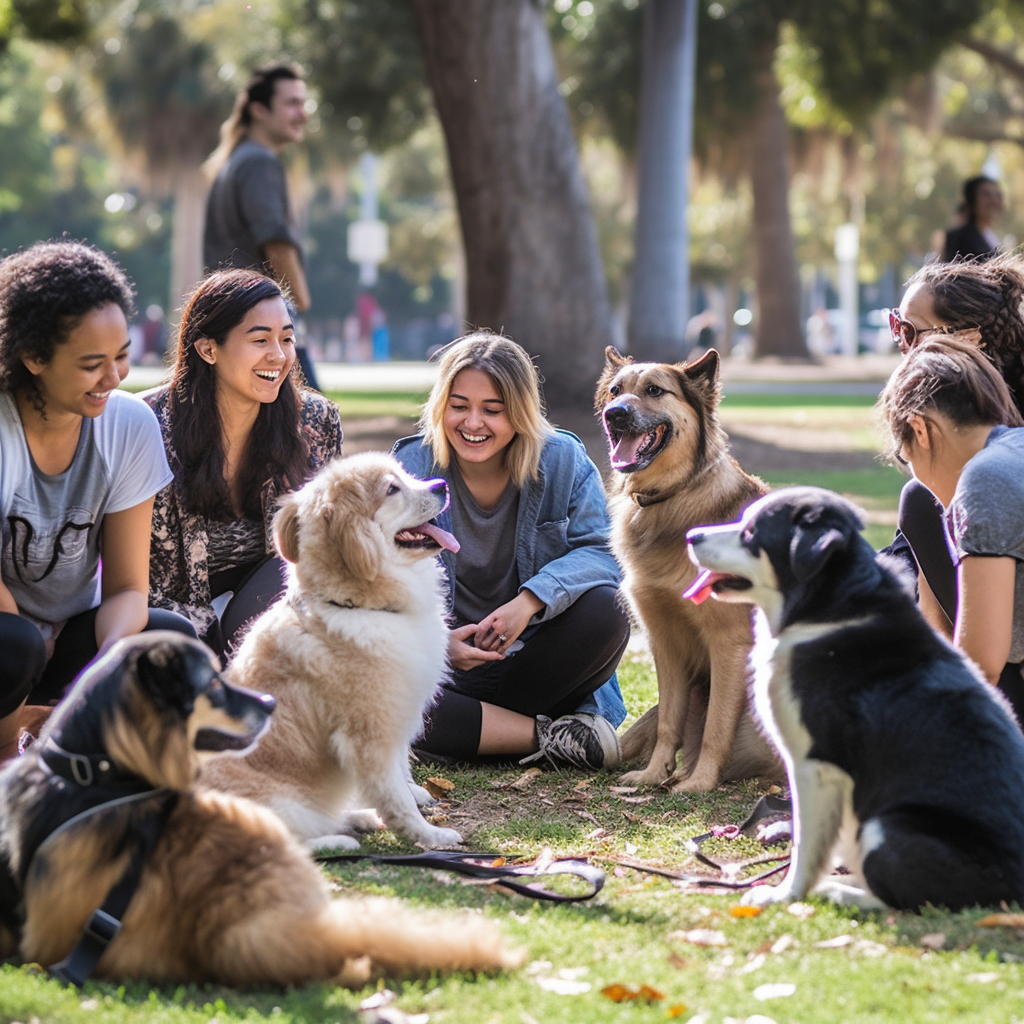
column 87, row 769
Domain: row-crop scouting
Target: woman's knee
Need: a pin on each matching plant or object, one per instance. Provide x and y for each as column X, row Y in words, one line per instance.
column 163, row 618
column 24, row 660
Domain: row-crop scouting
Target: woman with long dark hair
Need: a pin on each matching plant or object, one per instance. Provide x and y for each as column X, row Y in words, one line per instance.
column 239, row 431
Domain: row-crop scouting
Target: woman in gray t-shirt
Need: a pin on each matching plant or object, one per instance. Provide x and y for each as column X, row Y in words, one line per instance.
column 80, row 463
column 954, row 423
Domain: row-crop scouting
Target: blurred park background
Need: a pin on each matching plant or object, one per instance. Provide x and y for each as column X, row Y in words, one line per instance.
column 655, row 174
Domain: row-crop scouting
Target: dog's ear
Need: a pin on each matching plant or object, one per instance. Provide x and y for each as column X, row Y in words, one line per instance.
column 161, row 673
column 614, row 361
column 359, row 546
column 286, row 529
column 705, row 370
column 812, row 547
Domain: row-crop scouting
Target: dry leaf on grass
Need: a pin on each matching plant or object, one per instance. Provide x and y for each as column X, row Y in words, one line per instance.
column 438, row 787
column 742, row 911
column 1001, row 921
column 701, row 937
column 780, row 990
column 937, row 940
column 626, row 993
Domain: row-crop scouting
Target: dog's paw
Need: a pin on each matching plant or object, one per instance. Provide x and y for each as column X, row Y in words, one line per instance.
column 436, row 838
column 363, row 819
column 422, row 796
column 699, row 782
column 764, row 895
column 838, row 891
column 645, row 777
column 328, row 843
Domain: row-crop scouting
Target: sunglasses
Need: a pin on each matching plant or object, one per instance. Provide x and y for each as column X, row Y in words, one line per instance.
column 904, row 333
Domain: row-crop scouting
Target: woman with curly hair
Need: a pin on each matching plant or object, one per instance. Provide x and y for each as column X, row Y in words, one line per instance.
column 954, row 424
column 80, row 463
column 239, row 432
column 983, row 303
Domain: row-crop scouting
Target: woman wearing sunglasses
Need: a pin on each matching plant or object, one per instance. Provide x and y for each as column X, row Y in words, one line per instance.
column 955, row 425
column 982, row 302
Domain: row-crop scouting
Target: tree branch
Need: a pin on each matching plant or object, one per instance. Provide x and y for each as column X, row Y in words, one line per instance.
column 994, row 55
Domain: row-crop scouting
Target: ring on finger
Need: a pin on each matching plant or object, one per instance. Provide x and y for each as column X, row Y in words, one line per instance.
column 503, row 638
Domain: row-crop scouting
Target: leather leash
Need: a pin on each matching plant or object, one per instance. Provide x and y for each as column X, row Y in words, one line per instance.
column 492, row 866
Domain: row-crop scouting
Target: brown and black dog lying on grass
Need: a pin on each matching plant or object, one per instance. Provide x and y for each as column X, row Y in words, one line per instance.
column 672, row 471
column 226, row 894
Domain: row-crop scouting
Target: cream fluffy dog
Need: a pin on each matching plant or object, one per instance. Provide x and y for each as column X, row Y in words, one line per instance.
column 353, row 651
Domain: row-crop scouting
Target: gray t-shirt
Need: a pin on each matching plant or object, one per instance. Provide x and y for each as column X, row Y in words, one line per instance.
column 986, row 515
column 246, row 208
column 51, row 525
column 486, row 576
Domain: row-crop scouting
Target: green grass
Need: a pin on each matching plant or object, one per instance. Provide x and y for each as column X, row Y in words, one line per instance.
column 365, row 405
column 634, row 933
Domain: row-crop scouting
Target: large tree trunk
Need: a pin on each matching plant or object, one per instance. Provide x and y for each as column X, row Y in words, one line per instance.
column 532, row 261
column 187, row 232
column 660, row 301
column 778, row 289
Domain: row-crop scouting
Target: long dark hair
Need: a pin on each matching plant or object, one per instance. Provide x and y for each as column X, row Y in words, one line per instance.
column 276, row 448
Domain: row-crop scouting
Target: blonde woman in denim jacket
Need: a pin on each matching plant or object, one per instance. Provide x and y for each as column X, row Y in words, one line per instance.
column 536, row 624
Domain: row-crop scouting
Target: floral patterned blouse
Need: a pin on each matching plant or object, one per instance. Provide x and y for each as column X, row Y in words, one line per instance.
column 179, row 571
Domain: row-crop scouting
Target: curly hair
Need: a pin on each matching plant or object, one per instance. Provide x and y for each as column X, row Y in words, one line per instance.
column 276, row 448
column 949, row 376
column 518, row 383
column 45, row 292
column 987, row 295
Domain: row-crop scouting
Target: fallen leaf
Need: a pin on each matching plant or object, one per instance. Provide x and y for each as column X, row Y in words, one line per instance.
column 676, row 1010
column 526, row 779
column 377, row 1000
column 624, row 993
column 801, row 911
column 741, row 911
column 837, row 943
column 564, row 986
column 781, row 944
column 701, row 937
column 781, row 990
column 438, row 782
column 636, row 799
column 622, row 790
column 984, row 979
column 937, row 940
column 1001, row 921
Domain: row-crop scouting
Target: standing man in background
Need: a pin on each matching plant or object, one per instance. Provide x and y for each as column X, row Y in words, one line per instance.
column 248, row 219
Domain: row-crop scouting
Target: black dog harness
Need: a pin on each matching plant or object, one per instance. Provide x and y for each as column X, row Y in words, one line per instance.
column 112, row 786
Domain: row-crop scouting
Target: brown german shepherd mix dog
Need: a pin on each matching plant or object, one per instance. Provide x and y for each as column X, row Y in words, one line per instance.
column 673, row 471
column 226, row 893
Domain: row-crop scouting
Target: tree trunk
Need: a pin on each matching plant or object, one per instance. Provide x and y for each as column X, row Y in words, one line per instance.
column 187, row 232
column 532, row 260
column 660, row 305
column 778, row 289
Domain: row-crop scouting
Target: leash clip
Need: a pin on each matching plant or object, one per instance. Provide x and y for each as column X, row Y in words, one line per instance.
column 81, row 769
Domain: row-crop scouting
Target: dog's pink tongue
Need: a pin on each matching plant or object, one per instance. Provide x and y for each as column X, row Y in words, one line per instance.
column 443, row 537
column 700, row 589
column 623, row 453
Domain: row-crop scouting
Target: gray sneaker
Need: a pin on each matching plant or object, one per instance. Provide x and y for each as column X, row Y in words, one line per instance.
column 581, row 740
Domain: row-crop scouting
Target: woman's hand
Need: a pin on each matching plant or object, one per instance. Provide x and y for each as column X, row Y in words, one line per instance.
column 462, row 654
column 499, row 630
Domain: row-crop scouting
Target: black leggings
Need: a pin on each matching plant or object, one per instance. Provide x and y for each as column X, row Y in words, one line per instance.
column 921, row 524
column 564, row 661
column 25, row 672
column 259, row 587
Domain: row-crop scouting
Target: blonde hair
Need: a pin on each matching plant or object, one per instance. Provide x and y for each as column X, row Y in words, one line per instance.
column 950, row 376
column 518, row 383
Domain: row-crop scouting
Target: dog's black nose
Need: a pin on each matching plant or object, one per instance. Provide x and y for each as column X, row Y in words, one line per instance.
column 440, row 488
column 268, row 701
column 616, row 416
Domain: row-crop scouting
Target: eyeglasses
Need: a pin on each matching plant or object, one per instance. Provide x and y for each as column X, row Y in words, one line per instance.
column 904, row 333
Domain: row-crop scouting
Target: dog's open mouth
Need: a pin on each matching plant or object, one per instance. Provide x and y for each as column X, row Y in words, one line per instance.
column 215, row 741
column 710, row 582
column 427, row 536
column 628, row 453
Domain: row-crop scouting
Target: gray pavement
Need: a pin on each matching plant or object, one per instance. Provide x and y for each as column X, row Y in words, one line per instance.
column 832, row 375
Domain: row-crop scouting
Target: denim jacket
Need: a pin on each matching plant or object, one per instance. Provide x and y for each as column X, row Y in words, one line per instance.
column 562, row 532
